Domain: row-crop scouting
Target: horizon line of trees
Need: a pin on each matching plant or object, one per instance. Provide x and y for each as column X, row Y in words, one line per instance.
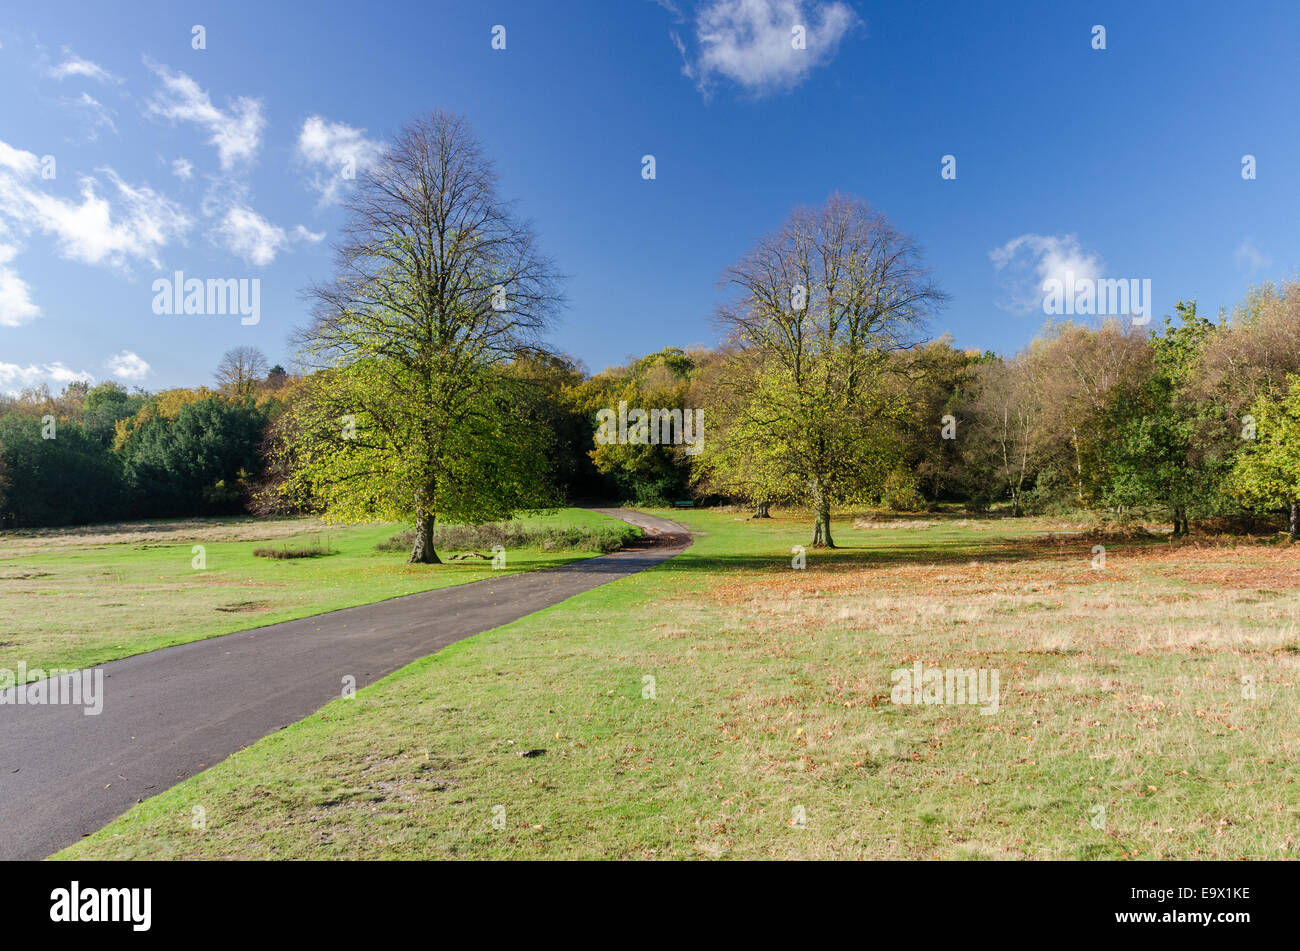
column 1199, row 420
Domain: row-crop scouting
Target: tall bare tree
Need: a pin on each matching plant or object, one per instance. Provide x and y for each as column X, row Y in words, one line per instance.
column 820, row 303
column 438, row 286
column 241, row 369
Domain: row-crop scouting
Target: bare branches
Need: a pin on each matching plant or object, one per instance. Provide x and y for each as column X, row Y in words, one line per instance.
column 240, row 369
column 433, row 261
column 840, row 277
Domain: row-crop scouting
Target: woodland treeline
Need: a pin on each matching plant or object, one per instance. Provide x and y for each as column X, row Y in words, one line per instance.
column 1198, row 420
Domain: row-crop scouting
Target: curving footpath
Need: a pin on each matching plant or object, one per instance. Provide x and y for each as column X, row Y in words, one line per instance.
column 174, row 712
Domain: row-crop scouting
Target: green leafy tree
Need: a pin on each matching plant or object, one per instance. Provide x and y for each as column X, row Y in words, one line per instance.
column 1266, row 473
column 1155, row 456
column 820, row 304
column 552, row 380
column 411, row 413
column 935, row 379
column 738, row 464
column 105, row 405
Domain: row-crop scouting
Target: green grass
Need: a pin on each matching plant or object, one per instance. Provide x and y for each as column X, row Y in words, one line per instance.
column 1120, row 690
column 78, row 597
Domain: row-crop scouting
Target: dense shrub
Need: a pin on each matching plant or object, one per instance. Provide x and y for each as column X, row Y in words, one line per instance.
column 901, row 492
column 509, row 535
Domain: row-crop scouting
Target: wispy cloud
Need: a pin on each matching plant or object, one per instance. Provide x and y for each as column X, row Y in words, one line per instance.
column 1028, row 262
column 671, row 7
column 99, row 114
column 236, row 131
column 182, row 169
column 763, row 46
column 74, row 65
column 250, row 236
column 335, row 153
column 1249, row 258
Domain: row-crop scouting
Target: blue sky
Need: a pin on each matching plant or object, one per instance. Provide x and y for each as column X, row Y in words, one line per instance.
column 223, row 162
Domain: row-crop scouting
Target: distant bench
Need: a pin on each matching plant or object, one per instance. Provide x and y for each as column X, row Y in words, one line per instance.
column 688, row 504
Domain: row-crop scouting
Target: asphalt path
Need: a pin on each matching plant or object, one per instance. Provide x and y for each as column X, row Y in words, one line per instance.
column 171, row 713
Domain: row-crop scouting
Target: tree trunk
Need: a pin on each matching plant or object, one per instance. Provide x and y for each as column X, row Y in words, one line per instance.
column 1180, row 520
column 1078, row 461
column 762, row 510
column 822, row 521
column 1295, row 520
column 422, row 552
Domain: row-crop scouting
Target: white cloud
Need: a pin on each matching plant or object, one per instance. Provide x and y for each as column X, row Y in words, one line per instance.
column 61, row 374
column 312, row 237
column 127, row 366
column 1031, row 260
column 248, row 235
column 1250, row 258
column 236, row 132
column 182, row 168
column 16, row 160
column 16, row 305
column 14, row 378
column 91, row 230
column 74, row 65
column 337, row 153
column 751, row 42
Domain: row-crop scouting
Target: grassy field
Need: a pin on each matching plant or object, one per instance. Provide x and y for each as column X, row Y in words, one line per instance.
column 1123, row 729
column 81, row 596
